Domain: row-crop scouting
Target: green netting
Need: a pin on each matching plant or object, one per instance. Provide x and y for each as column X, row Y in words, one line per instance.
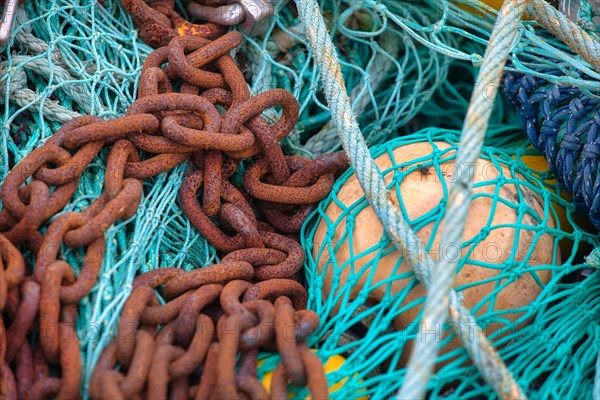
column 358, row 282
column 407, row 64
column 395, row 56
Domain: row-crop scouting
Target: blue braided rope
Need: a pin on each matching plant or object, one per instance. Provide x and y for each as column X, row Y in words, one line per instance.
column 562, row 123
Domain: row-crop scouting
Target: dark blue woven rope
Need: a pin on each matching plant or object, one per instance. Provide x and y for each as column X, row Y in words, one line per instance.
column 562, row 123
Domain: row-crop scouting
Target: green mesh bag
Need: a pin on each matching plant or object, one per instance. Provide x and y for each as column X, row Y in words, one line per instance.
column 520, row 248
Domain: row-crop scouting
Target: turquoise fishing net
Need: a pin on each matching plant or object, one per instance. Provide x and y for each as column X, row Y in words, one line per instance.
column 396, row 56
column 359, row 285
column 408, row 65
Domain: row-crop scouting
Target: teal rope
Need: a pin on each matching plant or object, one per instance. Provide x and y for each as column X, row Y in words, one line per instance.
column 593, row 260
column 596, row 392
column 422, row 360
column 369, row 176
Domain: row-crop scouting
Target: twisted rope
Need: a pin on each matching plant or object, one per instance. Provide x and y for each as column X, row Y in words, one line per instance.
column 484, row 357
column 24, row 37
column 16, row 91
column 424, row 353
column 367, row 171
column 50, row 67
column 51, row 71
column 566, row 30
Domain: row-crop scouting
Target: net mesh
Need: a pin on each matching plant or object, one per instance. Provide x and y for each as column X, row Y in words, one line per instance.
column 522, row 239
column 408, row 65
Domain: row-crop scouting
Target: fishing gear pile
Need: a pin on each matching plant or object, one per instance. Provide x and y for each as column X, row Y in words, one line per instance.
column 185, row 238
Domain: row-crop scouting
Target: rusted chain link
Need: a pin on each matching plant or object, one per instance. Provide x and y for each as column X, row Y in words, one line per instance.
column 189, row 346
column 211, row 325
column 159, row 23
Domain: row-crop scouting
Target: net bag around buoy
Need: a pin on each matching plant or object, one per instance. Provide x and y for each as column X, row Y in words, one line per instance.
column 369, row 299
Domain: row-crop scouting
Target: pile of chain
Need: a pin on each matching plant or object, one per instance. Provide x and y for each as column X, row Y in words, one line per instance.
column 203, row 320
column 204, row 327
column 212, row 121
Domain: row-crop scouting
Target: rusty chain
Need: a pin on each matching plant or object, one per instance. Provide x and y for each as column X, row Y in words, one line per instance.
column 189, row 349
column 158, row 22
column 188, row 346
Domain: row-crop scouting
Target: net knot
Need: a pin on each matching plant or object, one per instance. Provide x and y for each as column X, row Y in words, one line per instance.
column 577, row 108
column 591, row 151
